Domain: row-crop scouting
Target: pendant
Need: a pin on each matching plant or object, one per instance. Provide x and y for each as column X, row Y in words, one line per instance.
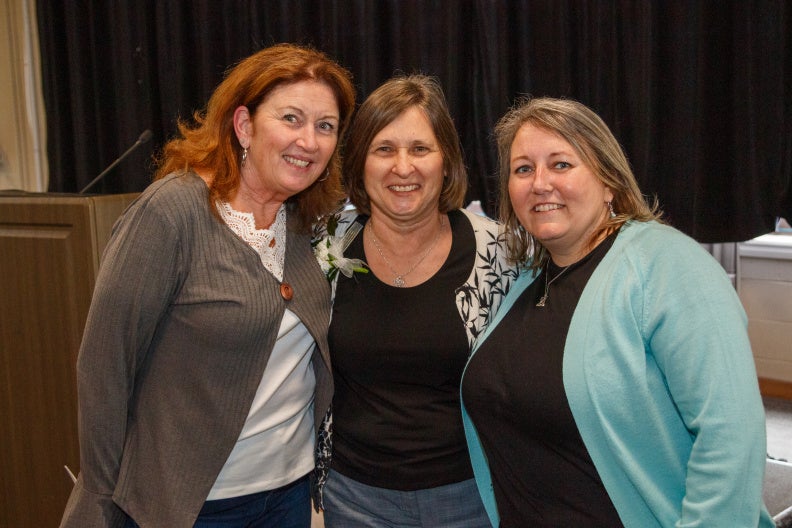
column 542, row 301
column 399, row 282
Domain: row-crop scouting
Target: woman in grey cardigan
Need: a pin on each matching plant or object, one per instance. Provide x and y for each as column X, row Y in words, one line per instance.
column 203, row 371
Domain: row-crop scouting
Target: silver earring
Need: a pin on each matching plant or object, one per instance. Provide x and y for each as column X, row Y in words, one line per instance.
column 326, row 175
column 610, row 208
column 244, row 156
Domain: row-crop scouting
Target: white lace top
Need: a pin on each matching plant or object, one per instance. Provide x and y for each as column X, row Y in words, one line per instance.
column 276, row 444
column 270, row 243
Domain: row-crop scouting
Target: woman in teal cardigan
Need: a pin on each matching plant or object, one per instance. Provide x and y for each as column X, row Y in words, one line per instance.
column 616, row 385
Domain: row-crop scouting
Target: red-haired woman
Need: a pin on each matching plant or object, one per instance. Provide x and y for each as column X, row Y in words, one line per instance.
column 203, row 371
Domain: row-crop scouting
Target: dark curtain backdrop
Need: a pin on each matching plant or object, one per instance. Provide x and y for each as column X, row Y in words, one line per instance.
column 698, row 92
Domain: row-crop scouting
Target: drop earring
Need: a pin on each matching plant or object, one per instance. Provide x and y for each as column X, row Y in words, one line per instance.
column 610, row 208
column 244, row 156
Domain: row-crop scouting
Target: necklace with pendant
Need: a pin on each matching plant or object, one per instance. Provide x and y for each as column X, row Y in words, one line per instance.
column 398, row 281
column 543, row 298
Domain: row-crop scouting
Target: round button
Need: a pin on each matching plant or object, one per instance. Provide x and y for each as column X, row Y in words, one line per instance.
column 286, row 291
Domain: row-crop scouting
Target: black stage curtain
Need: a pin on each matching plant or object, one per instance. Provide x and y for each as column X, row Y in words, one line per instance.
column 698, row 92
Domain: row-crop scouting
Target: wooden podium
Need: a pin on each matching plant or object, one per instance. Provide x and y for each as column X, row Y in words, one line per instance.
column 50, row 248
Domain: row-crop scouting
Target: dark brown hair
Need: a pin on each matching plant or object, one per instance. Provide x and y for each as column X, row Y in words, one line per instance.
column 384, row 105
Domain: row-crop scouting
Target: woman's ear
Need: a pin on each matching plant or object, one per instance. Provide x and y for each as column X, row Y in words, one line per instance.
column 243, row 125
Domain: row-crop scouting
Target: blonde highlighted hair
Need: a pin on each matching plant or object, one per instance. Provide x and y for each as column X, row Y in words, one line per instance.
column 593, row 141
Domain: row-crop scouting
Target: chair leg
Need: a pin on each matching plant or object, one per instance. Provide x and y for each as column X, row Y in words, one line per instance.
column 784, row 519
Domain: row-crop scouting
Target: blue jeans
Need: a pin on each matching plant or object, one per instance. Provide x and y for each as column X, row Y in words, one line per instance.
column 286, row 507
column 350, row 504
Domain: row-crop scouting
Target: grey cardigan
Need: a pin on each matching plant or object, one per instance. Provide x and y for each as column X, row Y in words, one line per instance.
column 182, row 323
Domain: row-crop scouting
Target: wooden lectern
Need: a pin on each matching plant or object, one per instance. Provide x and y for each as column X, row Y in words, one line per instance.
column 50, row 248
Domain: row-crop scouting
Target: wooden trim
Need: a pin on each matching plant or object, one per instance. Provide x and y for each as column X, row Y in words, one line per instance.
column 775, row 388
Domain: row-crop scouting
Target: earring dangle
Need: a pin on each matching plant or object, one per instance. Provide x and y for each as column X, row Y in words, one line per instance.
column 326, row 175
column 244, row 156
column 610, row 208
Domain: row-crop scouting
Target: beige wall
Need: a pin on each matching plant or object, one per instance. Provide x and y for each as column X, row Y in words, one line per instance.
column 23, row 156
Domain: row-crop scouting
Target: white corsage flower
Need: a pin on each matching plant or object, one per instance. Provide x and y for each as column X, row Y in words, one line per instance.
column 329, row 252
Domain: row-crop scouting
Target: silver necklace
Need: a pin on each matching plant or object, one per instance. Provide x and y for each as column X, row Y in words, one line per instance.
column 398, row 281
column 543, row 298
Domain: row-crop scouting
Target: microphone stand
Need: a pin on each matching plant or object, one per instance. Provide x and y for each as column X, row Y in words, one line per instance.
column 144, row 137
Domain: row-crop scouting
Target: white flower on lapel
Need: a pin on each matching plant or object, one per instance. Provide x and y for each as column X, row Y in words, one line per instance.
column 329, row 252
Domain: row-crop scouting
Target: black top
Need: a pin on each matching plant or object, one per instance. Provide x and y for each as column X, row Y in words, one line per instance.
column 542, row 473
column 398, row 355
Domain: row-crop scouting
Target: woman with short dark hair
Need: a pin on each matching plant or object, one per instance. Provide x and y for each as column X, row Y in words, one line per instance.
column 401, row 333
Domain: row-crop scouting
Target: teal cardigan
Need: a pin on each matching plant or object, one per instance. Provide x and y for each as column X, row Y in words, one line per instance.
column 660, row 378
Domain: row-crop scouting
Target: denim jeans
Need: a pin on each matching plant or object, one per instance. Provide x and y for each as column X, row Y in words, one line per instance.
column 286, row 507
column 350, row 504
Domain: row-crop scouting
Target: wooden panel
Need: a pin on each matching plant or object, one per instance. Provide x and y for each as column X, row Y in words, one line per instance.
column 775, row 388
column 767, row 300
column 49, row 257
column 766, row 268
column 771, row 369
column 771, row 340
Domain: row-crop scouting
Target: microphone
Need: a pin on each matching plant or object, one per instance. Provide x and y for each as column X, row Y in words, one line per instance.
column 144, row 137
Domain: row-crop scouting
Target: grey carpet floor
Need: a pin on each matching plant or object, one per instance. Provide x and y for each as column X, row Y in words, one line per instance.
column 778, row 413
column 778, row 476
